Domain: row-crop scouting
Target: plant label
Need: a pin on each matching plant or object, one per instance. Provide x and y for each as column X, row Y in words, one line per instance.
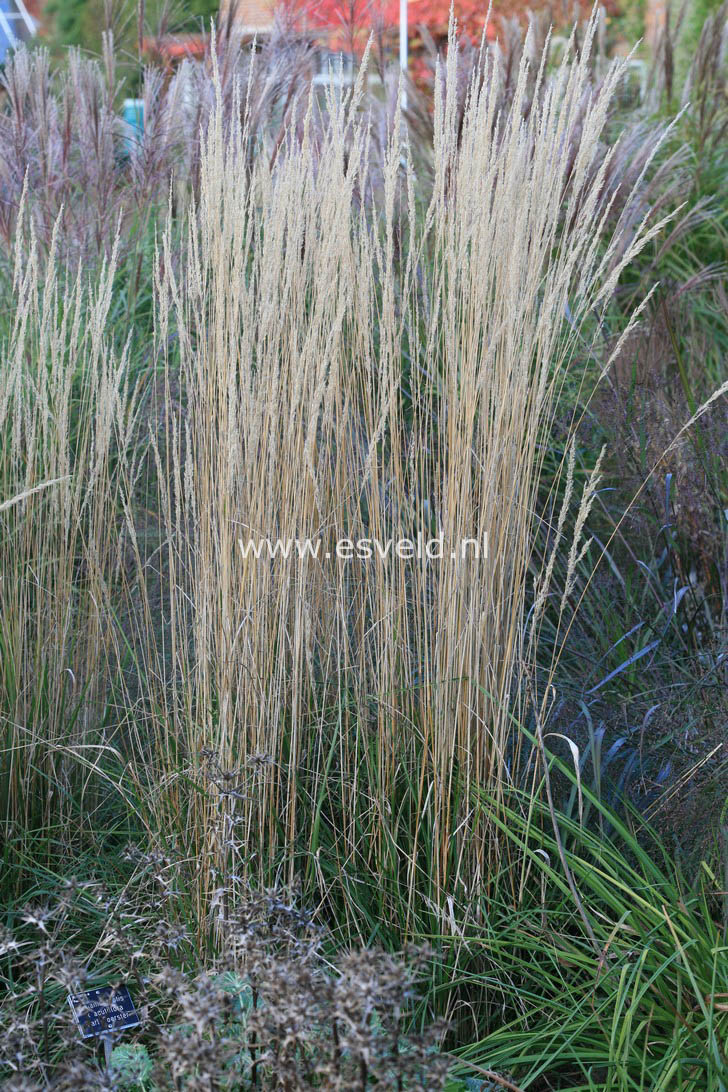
column 102, row 1011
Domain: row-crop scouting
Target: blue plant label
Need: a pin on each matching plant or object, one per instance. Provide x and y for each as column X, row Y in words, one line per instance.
column 102, row 1011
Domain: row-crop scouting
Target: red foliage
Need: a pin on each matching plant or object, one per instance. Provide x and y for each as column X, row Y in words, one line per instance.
column 175, row 47
column 433, row 14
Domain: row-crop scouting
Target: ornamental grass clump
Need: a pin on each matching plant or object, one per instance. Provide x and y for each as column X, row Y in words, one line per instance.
column 67, row 419
column 350, row 334
column 345, row 347
column 377, row 368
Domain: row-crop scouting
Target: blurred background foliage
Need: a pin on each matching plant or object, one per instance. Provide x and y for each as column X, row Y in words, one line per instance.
column 82, row 22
